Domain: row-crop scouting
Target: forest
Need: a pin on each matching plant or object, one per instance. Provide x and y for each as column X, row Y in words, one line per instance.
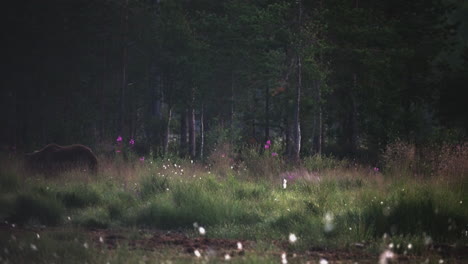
column 337, row 77
column 249, row 131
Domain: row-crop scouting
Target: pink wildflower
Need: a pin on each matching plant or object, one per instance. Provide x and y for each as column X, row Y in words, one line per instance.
column 268, row 142
column 274, row 154
column 376, row 169
column 267, row 146
column 132, row 142
column 118, row 151
column 142, row 159
column 119, row 139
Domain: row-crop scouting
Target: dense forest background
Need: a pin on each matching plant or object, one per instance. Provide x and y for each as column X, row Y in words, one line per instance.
column 341, row 77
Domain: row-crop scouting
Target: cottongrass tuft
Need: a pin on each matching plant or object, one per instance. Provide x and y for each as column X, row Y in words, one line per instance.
column 283, row 258
column 202, row 231
column 239, row 245
column 386, row 256
column 33, row 247
column 292, row 238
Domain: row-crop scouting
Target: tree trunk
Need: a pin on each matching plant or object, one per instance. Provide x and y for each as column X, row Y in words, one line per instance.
column 192, row 143
column 123, row 86
column 168, row 131
column 354, row 124
column 202, row 132
column 297, row 108
column 231, row 114
column 267, row 114
column 296, row 148
column 320, row 126
column 183, row 133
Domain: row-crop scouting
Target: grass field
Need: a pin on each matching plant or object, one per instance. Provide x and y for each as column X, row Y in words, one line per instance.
column 178, row 211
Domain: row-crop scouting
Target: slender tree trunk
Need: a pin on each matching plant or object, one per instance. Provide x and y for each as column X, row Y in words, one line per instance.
column 267, row 114
column 231, row 114
column 183, row 132
column 124, row 58
column 354, row 124
column 168, row 131
column 202, row 132
column 192, row 143
column 297, row 109
column 313, row 146
column 320, row 126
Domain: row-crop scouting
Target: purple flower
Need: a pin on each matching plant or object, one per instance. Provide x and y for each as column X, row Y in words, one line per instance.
column 142, row 159
column 376, row 169
column 268, row 142
column 274, row 154
column 119, row 139
column 267, row 146
column 118, row 151
column 132, row 142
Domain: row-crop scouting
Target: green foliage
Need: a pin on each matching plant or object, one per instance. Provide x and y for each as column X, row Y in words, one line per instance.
column 330, row 206
column 322, row 162
column 37, row 208
column 153, row 184
column 79, row 196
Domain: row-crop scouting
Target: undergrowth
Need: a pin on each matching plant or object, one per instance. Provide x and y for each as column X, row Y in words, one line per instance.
column 326, row 204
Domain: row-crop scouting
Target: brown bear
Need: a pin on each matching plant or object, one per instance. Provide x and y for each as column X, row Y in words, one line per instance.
column 53, row 158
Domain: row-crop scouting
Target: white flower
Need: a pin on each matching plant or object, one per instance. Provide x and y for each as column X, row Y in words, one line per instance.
column 85, row 245
column 386, row 256
column 227, row 257
column 101, row 239
column 239, row 245
column 38, row 236
column 283, row 258
column 33, row 247
column 292, row 238
column 285, row 183
column 197, row 253
column 201, row 230
column 323, row 261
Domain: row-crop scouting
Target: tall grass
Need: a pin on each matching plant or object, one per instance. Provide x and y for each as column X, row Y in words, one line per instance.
column 327, row 203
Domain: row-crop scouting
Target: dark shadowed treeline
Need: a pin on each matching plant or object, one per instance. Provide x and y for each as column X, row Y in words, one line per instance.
column 342, row 77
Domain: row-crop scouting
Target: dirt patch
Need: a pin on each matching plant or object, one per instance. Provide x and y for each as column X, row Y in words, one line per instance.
column 155, row 239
